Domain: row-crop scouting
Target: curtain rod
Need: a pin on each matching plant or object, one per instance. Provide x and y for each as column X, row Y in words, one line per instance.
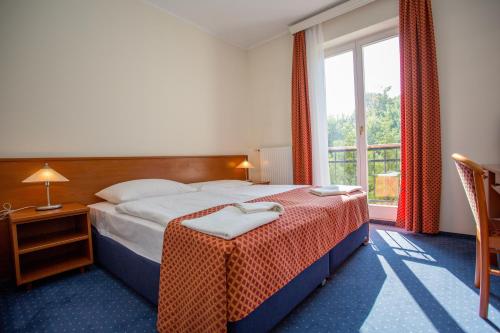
column 328, row 15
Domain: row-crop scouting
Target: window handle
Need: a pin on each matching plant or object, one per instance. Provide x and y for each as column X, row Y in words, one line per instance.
column 361, row 130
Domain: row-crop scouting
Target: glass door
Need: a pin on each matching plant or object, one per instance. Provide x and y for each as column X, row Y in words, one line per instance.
column 383, row 119
column 341, row 115
column 363, row 106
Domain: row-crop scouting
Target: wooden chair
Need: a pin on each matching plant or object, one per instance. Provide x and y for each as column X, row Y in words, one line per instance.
column 487, row 229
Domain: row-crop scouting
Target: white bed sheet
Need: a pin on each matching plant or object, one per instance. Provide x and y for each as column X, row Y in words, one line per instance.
column 145, row 237
column 164, row 209
column 246, row 193
column 141, row 236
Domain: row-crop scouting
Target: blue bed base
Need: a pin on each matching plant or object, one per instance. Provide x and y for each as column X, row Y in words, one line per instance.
column 137, row 272
column 143, row 275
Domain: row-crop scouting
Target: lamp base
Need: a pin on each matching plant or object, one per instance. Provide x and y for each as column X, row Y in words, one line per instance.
column 49, row 207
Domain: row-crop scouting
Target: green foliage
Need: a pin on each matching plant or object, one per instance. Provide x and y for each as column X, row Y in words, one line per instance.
column 341, row 130
column 383, row 127
column 383, row 117
column 343, row 167
column 382, row 122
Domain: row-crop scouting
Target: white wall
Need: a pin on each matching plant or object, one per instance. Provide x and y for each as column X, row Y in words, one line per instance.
column 115, row 77
column 468, row 49
column 270, row 78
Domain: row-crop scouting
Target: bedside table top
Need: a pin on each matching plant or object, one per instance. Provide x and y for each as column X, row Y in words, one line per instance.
column 31, row 214
column 261, row 182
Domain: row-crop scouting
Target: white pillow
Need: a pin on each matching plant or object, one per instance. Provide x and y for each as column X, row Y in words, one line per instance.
column 227, row 183
column 142, row 188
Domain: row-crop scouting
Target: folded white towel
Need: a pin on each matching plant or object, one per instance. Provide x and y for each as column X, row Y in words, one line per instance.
column 335, row 190
column 230, row 222
column 259, row 207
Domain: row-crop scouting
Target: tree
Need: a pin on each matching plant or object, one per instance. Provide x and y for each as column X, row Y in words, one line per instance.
column 382, row 122
column 383, row 117
column 383, row 127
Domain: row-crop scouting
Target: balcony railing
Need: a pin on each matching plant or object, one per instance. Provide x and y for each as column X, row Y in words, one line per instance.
column 383, row 170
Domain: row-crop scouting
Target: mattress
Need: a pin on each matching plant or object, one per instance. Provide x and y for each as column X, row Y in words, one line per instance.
column 145, row 237
column 141, row 236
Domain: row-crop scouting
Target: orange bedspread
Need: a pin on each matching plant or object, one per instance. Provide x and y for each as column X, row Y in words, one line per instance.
column 206, row 281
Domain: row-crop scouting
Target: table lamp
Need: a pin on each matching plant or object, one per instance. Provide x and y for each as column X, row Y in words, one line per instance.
column 46, row 175
column 245, row 165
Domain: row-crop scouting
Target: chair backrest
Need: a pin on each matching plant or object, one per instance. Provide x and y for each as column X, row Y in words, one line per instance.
column 471, row 175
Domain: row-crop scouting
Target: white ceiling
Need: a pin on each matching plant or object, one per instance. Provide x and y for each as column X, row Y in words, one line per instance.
column 244, row 23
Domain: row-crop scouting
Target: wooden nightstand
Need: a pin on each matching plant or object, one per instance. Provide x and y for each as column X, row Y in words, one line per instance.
column 262, row 182
column 45, row 243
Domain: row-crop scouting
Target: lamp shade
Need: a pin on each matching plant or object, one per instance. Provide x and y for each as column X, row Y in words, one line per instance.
column 245, row 165
column 45, row 174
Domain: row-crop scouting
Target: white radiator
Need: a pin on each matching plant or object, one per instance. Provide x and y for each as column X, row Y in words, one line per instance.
column 276, row 165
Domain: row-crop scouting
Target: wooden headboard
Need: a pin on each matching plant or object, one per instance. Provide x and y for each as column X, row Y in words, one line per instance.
column 88, row 175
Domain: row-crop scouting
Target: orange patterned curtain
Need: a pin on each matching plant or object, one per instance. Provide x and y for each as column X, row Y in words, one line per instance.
column 419, row 202
column 301, row 119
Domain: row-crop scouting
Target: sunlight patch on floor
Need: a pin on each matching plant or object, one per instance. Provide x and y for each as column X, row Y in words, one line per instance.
column 449, row 291
column 402, row 246
column 404, row 242
column 414, row 255
column 389, row 306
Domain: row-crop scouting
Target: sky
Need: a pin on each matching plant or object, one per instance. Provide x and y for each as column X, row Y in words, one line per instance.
column 381, row 69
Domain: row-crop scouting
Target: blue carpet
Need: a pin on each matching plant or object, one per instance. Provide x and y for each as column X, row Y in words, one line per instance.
column 399, row 283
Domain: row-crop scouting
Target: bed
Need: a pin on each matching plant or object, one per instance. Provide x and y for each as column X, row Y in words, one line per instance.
column 138, row 242
column 119, row 241
column 120, row 234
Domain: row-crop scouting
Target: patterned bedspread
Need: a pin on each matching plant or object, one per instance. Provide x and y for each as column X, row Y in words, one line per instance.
column 207, row 281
